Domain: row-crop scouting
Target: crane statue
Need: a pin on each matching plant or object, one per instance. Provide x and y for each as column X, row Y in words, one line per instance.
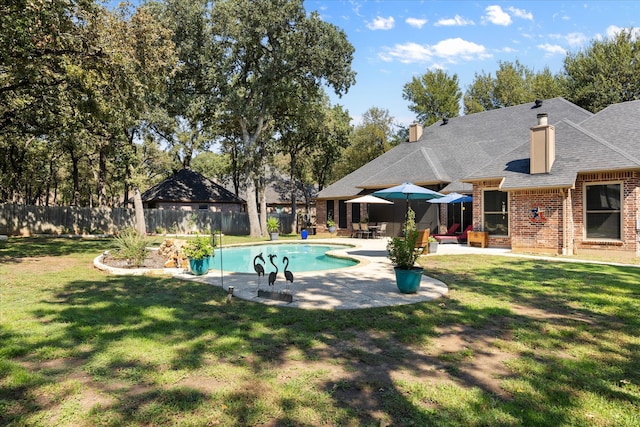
column 273, row 274
column 258, row 267
column 287, row 274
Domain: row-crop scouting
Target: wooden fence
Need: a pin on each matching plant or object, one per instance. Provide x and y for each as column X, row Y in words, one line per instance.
column 29, row 220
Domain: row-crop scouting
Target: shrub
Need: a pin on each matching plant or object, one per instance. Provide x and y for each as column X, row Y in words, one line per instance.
column 198, row 248
column 131, row 246
column 273, row 225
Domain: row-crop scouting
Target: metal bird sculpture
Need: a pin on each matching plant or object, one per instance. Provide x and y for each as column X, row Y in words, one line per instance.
column 258, row 267
column 273, row 274
column 287, row 274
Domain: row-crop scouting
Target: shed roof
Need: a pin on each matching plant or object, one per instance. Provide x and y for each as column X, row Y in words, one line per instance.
column 188, row 186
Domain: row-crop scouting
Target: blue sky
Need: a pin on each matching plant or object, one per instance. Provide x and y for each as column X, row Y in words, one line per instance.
column 397, row 40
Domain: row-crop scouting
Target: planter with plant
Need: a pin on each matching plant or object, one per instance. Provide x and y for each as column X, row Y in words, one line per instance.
column 331, row 225
column 273, row 227
column 199, row 251
column 403, row 255
column 433, row 245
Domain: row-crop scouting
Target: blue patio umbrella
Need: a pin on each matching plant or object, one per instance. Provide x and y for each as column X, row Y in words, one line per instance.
column 408, row 191
column 455, row 198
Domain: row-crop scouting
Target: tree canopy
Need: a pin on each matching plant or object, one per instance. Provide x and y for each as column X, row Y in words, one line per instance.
column 433, row 96
column 513, row 84
column 604, row 73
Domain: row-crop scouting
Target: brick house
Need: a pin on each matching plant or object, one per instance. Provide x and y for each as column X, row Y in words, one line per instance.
column 545, row 177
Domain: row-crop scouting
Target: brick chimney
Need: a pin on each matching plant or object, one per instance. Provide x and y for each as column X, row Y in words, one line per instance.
column 415, row 132
column 543, row 146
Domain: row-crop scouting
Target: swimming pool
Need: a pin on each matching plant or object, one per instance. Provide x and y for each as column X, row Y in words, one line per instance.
column 302, row 257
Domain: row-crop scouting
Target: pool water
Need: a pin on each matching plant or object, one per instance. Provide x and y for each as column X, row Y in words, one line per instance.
column 302, row 257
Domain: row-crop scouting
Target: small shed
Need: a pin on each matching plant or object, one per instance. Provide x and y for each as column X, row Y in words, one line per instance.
column 191, row 191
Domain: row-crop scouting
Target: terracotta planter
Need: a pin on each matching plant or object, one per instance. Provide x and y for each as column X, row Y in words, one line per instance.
column 408, row 280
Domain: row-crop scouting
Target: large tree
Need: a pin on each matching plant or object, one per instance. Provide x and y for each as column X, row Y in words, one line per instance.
column 433, row 95
column 265, row 53
column 605, row 73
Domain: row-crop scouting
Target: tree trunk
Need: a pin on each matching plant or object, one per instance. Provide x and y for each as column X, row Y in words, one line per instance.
column 262, row 196
column 250, row 141
column 137, row 203
column 101, row 187
column 252, row 209
column 292, row 186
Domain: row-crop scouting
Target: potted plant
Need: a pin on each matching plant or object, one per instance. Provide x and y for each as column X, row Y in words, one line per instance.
column 199, row 252
column 433, row 245
column 273, row 226
column 331, row 225
column 403, row 255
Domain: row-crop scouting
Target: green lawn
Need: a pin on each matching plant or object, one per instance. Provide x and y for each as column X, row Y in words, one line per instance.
column 516, row 342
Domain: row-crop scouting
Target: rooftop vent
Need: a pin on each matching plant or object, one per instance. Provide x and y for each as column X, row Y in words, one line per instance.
column 538, row 103
column 445, row 120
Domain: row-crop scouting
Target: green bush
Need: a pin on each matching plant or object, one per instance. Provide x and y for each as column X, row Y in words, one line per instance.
column 273, row 225
column 198, row 248
column 131, row 246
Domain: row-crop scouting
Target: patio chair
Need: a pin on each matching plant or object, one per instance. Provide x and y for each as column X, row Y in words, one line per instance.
column 355, row 229
column 422, row 245
column 364, row 230
column 450, row 232
column 381, row 231
column 462, row 238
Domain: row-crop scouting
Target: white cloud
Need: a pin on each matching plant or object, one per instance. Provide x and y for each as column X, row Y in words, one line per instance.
column 455, row 21
column 407, row 53
column 552, row 49
column 572, row 39
column 381, row 23
column 614, row 30
column 521, row 13
column 576, row 39
column 416, row 22
column 508, row 50
column 450, row 50
column 497, row 16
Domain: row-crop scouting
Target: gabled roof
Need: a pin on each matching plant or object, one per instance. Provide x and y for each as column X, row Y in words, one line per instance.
column 576, row 151
column 447, row 153
column 607, row 141
column 187, row 186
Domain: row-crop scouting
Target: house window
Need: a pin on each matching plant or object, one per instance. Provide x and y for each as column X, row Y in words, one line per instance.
column 603, row 213
column 496, row 213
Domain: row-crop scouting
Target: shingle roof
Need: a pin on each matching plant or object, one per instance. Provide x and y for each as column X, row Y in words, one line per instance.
column 188, row 186
column 600, row 143
column 445, row 154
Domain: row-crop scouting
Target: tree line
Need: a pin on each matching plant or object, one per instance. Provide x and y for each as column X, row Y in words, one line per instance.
column 95, row 102
column 602, row 74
